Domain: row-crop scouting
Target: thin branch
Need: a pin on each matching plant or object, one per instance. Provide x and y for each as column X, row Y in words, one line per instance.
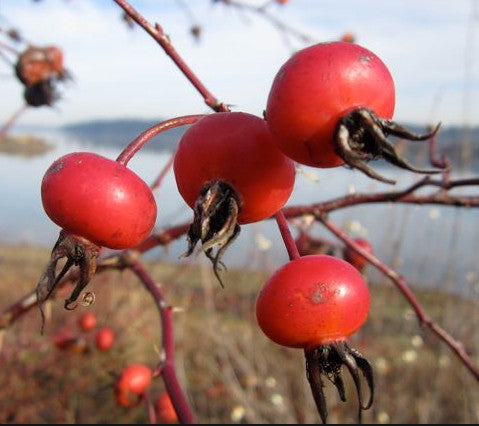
column 399, row 281
column 141, row 140
column 407, row 196
column 160, row 178
column 280, row 25
column 8, row 48
column 150, row 408
column 286, row 235
column 13, row 118
column 163, row 40
column 168, row 372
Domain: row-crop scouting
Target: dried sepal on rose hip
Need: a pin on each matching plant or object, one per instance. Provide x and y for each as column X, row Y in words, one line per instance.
column 331, row 104
column 229, row 170
column 98, row 203
column 316, row 303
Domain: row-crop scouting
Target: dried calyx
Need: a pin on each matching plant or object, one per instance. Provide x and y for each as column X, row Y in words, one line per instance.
column 361, row 136
column 327, row 360
column 78, row 252
column 215, row 222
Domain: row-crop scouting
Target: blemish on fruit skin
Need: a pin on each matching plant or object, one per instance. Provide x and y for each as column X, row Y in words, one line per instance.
column 318, row 295
column 56, row 167
column 365, row 59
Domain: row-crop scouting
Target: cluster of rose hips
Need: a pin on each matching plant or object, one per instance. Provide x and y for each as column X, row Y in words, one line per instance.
column 79, row 342
column 330, row 105
column 39, row 69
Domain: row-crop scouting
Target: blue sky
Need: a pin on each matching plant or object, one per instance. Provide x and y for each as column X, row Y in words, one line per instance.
column 430, row 46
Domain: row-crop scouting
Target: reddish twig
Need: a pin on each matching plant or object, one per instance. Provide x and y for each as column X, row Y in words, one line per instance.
column 159, row 180
column 399, row 281
column 405, row 196
column 9, row 48
column 151, row 409
column 444, row 163
column 167, row 366
column 163, row 237
column 162, row 39
column 9, row 123
column 17, row 309
column 141, row 140
column 286, row 235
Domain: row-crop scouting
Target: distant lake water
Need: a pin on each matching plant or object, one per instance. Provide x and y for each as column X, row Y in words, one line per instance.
column 432, row 246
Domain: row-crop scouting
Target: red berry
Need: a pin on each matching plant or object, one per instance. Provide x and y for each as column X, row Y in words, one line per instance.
column 104, row 338
column 165, row 410
column 87, row 321
column 98, row 199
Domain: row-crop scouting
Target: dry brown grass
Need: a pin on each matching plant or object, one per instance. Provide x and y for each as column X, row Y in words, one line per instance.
column 229, row 370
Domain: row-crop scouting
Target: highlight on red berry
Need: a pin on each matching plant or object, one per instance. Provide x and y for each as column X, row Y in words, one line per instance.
column 332, row 104
column 229, row 170
column 132, row 382
column 316, row 303
column 87, row 321
column 98, row 199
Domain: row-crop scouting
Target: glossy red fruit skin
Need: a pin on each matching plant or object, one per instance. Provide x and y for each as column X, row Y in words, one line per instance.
column 134, row 378
column 237, row 148
column 315, row 88
column 98, row 199
column 311, row 301
column 354, row 258
column 104, row 338
column 87, row 321
column 165, row 410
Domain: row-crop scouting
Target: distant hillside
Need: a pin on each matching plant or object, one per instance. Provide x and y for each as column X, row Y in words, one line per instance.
column 119, row 132
column 461, row 145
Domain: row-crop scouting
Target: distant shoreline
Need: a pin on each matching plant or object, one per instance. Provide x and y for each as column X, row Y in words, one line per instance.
column 25, row 145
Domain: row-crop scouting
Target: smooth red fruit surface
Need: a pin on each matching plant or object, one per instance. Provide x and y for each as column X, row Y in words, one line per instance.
column 99, row 199
column 236, row 148
column 165, row 410
column 134, row 378
column 354, row 258
column 316, row 87
column 87, row 321
column 311, row 301
column 104, row 338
